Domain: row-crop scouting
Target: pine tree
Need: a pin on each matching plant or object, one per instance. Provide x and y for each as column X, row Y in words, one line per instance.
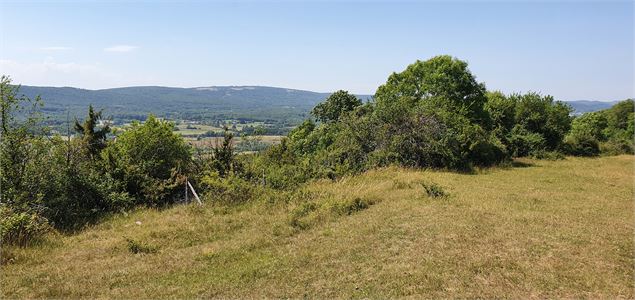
column 94, row 138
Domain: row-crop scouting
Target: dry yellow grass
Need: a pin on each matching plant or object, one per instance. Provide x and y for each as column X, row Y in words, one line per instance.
column 548, row 229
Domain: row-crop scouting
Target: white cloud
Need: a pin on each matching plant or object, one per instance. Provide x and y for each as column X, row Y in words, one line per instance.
column 56, row 48
column 121, row 48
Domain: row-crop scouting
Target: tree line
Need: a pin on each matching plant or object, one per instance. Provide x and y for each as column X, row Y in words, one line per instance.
column 434, row 114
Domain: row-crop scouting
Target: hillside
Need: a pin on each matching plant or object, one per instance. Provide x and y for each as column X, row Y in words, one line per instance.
column 539, row 229
column 203, row 103
column 583, row 106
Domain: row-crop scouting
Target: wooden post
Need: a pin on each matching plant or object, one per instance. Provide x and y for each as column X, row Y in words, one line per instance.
column 186, row 200
column 194, row 193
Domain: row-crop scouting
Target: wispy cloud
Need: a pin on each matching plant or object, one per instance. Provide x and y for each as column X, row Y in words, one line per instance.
column 121, row 48
column 56, row 48
column 52, row 73
column 46, row 66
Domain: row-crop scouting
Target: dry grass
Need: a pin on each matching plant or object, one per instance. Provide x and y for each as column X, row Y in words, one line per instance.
column 549, row 229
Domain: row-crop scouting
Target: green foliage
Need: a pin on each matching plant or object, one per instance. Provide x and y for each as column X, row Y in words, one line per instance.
column 351, row 206
column 440, row 82
column 620, row 129
column 150, row 160
column 523, row 142
column 430, row 115
column 140, row 247
column 21, row 174
column 230, row 189
column 609, row 131
column 21, row 228
column 335, row 106
column 297, row 215
column 502, row 111
column 433, row 116
column 541, row 115
column 17, row 153
column 433, row 190
column 224, row 161
column 528, row 123
column 587, row 131
column 94, row 139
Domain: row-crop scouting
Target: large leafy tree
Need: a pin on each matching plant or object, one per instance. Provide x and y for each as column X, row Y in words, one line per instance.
column 440, row 82
column 440, row 91
column 335, row 106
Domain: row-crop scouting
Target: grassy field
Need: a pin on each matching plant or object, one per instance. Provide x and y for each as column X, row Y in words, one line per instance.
column 213, row 141
column 540, row 229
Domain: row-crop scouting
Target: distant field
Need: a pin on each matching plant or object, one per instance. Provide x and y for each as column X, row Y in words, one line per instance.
column 191, row 134
column 199, row 129
column 213, row 141
column 541, row 229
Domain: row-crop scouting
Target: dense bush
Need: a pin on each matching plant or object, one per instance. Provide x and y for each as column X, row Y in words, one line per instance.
column 609, row 131
column 230, row 189
column 528, row 124
column 21, row 227
column 150, row 160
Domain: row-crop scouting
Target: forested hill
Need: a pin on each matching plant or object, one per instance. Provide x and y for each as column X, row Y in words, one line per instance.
column 217, row 102
column 286, row 106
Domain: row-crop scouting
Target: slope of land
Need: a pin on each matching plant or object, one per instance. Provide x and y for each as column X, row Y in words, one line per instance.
column 538, row 229
column 583, row 106
column 204, row 103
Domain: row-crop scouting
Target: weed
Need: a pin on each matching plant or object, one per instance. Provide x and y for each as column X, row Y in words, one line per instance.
column 348, row 207
column 434, row 190
column 401, row 185
column 299, row 212
column 139, row 247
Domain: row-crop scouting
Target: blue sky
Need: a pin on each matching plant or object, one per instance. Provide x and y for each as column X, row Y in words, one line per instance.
column 571, row 50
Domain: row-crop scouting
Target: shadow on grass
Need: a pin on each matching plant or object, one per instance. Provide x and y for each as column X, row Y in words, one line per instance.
column 521, row 164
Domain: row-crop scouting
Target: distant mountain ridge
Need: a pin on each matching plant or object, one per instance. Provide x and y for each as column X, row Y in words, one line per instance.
column 198, row 103
column 583, row 106
column 283, row 105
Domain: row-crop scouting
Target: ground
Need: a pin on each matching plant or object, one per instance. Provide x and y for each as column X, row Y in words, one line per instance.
column 538, row 229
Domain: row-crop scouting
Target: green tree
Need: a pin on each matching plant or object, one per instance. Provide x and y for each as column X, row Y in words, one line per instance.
column 335, row 106
column 620, row 128
column 150, row 160
column 441, row 92
column 94, row 138
column 620, row 119
column 543, row 116
column 224, row 160
column 17, row 134
column 440, row 82
column 501, row 110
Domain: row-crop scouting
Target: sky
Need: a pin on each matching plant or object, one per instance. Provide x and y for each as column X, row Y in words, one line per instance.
column 572, row 50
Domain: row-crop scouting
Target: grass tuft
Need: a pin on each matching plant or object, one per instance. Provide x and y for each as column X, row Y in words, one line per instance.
column 139, row 247
column 434, row 190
